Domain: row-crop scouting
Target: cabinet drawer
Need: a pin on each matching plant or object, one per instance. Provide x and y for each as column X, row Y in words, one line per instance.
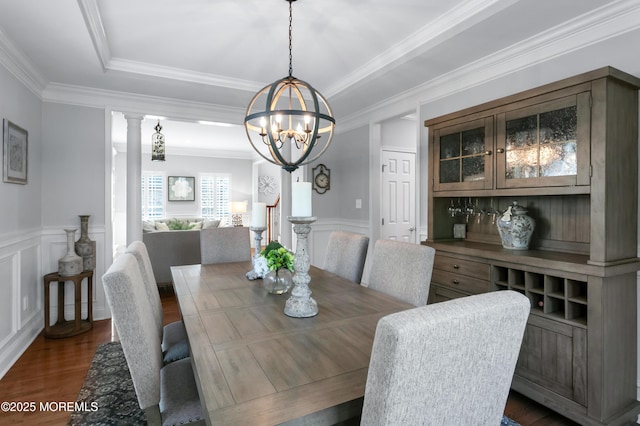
column 460, row 282
column 464, row 267
column 442, row 294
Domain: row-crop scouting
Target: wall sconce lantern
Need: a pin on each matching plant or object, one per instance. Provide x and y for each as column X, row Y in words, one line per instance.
column 157, row 144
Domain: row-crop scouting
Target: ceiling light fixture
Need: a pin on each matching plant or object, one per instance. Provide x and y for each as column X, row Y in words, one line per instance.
column 295, row 116
column 157, row 144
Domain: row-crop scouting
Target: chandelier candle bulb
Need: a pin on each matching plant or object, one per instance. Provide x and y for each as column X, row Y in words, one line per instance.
column 301, row 199
column 259, row 215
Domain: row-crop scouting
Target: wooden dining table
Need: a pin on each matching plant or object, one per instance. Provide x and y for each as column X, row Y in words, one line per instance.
column 256, row 366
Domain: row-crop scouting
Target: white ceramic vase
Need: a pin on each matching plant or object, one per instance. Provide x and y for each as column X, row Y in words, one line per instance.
column 71, row 263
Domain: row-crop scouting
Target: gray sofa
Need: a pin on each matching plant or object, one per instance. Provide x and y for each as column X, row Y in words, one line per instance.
column 171, row 248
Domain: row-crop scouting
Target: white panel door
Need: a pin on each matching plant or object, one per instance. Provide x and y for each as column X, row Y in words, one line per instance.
column 398, row 196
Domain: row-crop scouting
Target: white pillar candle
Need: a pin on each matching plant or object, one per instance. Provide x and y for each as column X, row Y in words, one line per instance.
column 259, row 215
column 301, row 199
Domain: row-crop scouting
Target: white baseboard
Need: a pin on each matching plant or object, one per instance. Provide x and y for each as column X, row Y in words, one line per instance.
column 19, row 343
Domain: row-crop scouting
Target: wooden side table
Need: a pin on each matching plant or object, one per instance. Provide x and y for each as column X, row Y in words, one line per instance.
column 63, row 328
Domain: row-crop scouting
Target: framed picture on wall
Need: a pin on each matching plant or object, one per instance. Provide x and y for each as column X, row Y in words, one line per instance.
column 182, row 188
column 14, row 153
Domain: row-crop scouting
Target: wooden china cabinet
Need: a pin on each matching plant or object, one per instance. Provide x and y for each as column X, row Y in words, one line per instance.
column 568, row 152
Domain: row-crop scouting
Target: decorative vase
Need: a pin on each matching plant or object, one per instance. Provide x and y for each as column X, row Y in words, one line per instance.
column 278, row 281
column 85, row 247
column 515, row 227
column 71, row 263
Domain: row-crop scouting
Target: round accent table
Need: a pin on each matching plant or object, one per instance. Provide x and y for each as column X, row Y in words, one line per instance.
column 63, row 328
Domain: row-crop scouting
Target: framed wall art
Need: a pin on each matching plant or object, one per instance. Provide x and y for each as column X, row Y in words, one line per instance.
column 182, row 188
column 14, row 153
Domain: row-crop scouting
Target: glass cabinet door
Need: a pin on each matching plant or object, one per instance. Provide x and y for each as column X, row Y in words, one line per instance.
column 463, row 156
column 543, row 145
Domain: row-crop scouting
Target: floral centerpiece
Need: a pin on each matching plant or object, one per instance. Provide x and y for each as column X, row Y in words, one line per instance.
column 277, row 264
column 277, row 256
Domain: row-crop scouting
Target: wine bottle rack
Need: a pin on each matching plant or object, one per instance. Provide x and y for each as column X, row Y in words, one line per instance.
column 550, row 295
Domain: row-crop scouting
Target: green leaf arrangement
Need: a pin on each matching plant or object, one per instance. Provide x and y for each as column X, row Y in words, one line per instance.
column 177, row 225
column 277, row 256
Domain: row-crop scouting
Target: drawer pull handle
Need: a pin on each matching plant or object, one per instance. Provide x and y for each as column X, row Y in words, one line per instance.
column 456, row 266
column 456, row 282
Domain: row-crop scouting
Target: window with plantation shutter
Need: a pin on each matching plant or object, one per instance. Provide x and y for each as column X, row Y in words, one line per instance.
column 215, row 193
column 152, row 196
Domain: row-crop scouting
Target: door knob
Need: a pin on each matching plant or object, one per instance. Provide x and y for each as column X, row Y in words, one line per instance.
column 413, row 228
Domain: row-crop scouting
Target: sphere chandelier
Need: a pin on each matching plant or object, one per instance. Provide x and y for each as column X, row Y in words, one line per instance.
column 288, row 119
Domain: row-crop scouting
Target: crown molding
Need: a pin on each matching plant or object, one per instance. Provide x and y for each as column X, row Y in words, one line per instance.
column 93, row 21
column 142, row 104
column 445, row 27
column 135, row 67
column 20, row 67
column 610, row 21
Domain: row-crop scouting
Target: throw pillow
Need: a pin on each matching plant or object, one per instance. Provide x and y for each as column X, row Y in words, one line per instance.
column 161, row 226
column 148, row 226
column 195, row 225
column 176, row 352
column 208, row 224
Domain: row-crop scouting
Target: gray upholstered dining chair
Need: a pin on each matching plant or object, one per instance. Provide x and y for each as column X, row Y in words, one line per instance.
column 402, row 270
column 173, row 335
column 168, row 395
column 346, row 254
column 229, row 244
column 448, row 363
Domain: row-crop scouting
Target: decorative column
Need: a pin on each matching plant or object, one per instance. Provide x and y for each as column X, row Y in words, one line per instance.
column 134, row 177
column 301, row 304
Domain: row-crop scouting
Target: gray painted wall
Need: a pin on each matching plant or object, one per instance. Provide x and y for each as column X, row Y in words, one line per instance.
column 20, row 205
column 74, row 159
column 348, row 160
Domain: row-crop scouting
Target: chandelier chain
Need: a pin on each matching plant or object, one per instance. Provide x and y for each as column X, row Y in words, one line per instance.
column 290, row 38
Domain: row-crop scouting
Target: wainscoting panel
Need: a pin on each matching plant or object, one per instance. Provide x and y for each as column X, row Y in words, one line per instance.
column 21, row 318
column 8, row 312
column 31, row 289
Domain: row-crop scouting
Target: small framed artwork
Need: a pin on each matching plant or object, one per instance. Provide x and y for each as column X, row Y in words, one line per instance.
column 182, row 188
column 14, row 153
column 459, row 230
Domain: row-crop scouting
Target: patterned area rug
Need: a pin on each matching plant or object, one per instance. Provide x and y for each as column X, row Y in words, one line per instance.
column 107, row 396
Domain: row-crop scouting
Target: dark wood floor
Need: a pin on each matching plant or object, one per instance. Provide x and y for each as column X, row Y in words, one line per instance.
column 54, row 370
